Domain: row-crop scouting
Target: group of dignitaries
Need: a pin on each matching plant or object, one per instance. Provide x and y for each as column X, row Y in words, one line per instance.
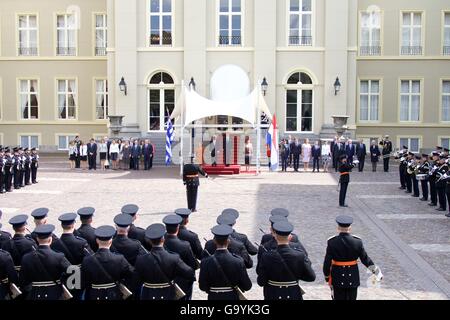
column 433, row 173
column 159, row 263
column 18, row 168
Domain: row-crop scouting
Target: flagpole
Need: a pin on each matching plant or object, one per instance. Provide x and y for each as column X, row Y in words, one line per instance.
column 182, row 126
column 258, row 133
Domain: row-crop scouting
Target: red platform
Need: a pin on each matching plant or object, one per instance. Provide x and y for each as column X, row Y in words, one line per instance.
column 221, row 169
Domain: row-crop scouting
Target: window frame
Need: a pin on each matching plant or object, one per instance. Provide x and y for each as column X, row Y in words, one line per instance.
column 380, row 100
column 67, row 135
column 56, row 42
column 422, row 31
column 420, row 142
column 410, row 79
column 444, row 26
column 441, row 98
column 148, row 25
column 76, row 99
column 161, row 87
column 95, row 28
column 439, row 141
column 381, row 13
column 313, row 24
column 230, row 14
column 19, row 94
column 105, row 94
column 28, row 14
column 29, row 135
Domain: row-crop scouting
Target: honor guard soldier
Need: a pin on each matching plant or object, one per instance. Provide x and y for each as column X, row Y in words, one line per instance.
column 22, row 167
column 27, row 167
column 86, row 231
column 280, row 212
column 129, row 248
column 192, row 182
column 2, row 170
column 415, row 182
column 34, row 165
column 341, row 261
column 103, row 272
column 183, row 248
column 134, row 232
column 44, row 269
column 235, row 247
column 8, row 274
column 188, row 235
column 40, row 218
column 441, row 182
column 8, row 170
column 4, row 235
column 242, row 238
column 432, row 178
column 157, row 270
column 344, row 179
column 386, row 152
column 424, row 169
column 17, row 169
column 223, row 275
column 280, row 270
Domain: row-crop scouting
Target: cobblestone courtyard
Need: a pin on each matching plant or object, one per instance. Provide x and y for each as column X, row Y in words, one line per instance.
column 408, row 239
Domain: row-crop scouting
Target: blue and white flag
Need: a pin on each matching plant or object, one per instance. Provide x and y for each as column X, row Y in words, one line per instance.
column 169, row 140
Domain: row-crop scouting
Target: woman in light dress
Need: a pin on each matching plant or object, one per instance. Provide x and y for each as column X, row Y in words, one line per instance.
column 114, row 154
column 306, row 154
column 326, row 156
column 72, row 154
column 83, row 156
column 103, row 150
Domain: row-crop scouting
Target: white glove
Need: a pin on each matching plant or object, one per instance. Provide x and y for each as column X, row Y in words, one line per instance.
column 376, row 271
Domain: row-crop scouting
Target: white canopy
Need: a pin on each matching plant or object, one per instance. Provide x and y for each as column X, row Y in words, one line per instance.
column 194, row 107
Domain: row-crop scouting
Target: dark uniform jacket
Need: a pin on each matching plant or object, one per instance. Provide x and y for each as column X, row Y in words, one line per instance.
column 158, row 267
column 192, row 238
column 269, row 237
column 7, row 273
column 4, row 237
column 343, row 248
column 344, row 169
column 226, row 270
column 87, row 232
column 73, row 247
column 18, row 246
column 441, row 183
column 273, row 245
column 129, row 248
column 33, row 235
column 235, row 247
column 242, row 238
column 104, row 267
column 361, row 150
column 374, row 153
column 284, row 264
column 43, row 265
column 137, row 233
column 387, row 147
column 191, row 169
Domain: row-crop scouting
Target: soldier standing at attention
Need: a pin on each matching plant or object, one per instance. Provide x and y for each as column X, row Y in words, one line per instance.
column 40, row 218
column 86, row 231
column 129, row 248
column 386, row 152
column 34, row 165
column 157, row 270
column 191, row 180
column 2, row 171
column 27, row 167
column 223, row 273
column 44, row 269
column 241, row 237
column 344, row 179
column 134, row 232
column 103, row 271
column 340, row 267
column 280, row 270
column 4, row 235
column 188, row 235
column 8, row 167
column 7, row 274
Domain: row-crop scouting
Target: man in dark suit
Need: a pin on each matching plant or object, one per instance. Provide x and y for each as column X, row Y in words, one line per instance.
column 147, row 152
column 296, row 150
column 316, row 152
column 339, row 150
column 77, row 157
column 136, row 154
column 374, row 155
column 291, row 143
column 361, row 152
column 92, row 154
column 350, row 151
column 332, row 145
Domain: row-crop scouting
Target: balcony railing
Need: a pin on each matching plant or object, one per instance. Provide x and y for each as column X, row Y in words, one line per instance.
column 411, row 50
column 370, row 50
column 27, row 51
column 100, row 51
column 446, row 51
column 66, row 51
column 155, row 39
column 230, row 40
column 300, row 41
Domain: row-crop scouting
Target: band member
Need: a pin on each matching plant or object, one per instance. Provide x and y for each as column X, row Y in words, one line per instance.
column 192, row 182
column 22, row 167
column 415, row 182
column 344, row 179
column 340, row 266
column 135, row 232
column 8, row 170
column 86, row 231
column 424, row 168
column 44, row 269
column 103, row 272
column 2, row 170
column 441, row 182
column 361, row 152
column 34, row 165
column 402, row 166
column 188, row 235
column 409, row 171
column 17, row 168
column 447, row 189
column 223, row 275
column 432, row 178
column 386, row 152
column 158, row 282
column 280, row 270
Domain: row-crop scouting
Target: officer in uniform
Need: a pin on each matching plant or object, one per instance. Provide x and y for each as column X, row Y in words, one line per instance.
column 17, row 169
column 34, row 165
column 415, row 182
column 86, row 231
column 103, row 271
column 4, row 235
column 242, row 238
column 40, row 218
column 8, row 274
column 2, row 171
column 129, row 248
column 279, row 212
column 344, row 179
column 73, row 247
column 183, row 248
column 235, row 247
column 27, row 167
column 8, row 170
column 188, row 235
column 424, row 168
column 402, row 166
column 191, row 180
column 22, row 167
column 223, row 274
column 340, row 267
column 134, row 232
column 44, row 269
column 280, row 270
column 432, row 178
column 441, row 182
column 386, row 152
column 157, row 270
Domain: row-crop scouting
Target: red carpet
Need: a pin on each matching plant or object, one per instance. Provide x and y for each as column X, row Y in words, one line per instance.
column 222, row 169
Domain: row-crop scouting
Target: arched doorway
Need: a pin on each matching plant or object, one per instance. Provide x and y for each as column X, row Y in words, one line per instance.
column 161, row 100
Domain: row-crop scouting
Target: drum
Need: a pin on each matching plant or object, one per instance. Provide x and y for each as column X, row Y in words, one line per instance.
column 421, row 177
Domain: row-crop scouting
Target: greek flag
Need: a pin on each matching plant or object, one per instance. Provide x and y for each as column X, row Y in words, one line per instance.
column 169, row 140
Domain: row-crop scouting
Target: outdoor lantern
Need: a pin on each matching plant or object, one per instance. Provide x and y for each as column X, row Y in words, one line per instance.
column 192, row 84
column 264, row 86
column 337, row 86
column 123, row 86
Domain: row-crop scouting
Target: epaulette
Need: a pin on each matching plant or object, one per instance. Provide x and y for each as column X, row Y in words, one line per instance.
column 357, row 237
column 332, row 237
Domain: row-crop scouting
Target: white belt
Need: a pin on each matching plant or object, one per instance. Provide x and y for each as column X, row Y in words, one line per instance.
column 221, row 289
column 5, row 281
column 104, row 286
column 17, row 268
column 283, row 284
column 44, row 283
column 157, row 285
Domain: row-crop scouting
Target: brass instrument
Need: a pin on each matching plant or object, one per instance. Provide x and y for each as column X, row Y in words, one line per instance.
column 412, row 167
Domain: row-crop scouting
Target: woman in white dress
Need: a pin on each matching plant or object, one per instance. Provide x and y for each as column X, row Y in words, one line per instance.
column 326, row 156
column 306, row 153
column 72, row 154
column 103, row 150
column 83, row 156
column 114, row 154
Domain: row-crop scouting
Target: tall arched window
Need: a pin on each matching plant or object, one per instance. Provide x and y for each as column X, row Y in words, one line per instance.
column 299, row 103
column 161, row 100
